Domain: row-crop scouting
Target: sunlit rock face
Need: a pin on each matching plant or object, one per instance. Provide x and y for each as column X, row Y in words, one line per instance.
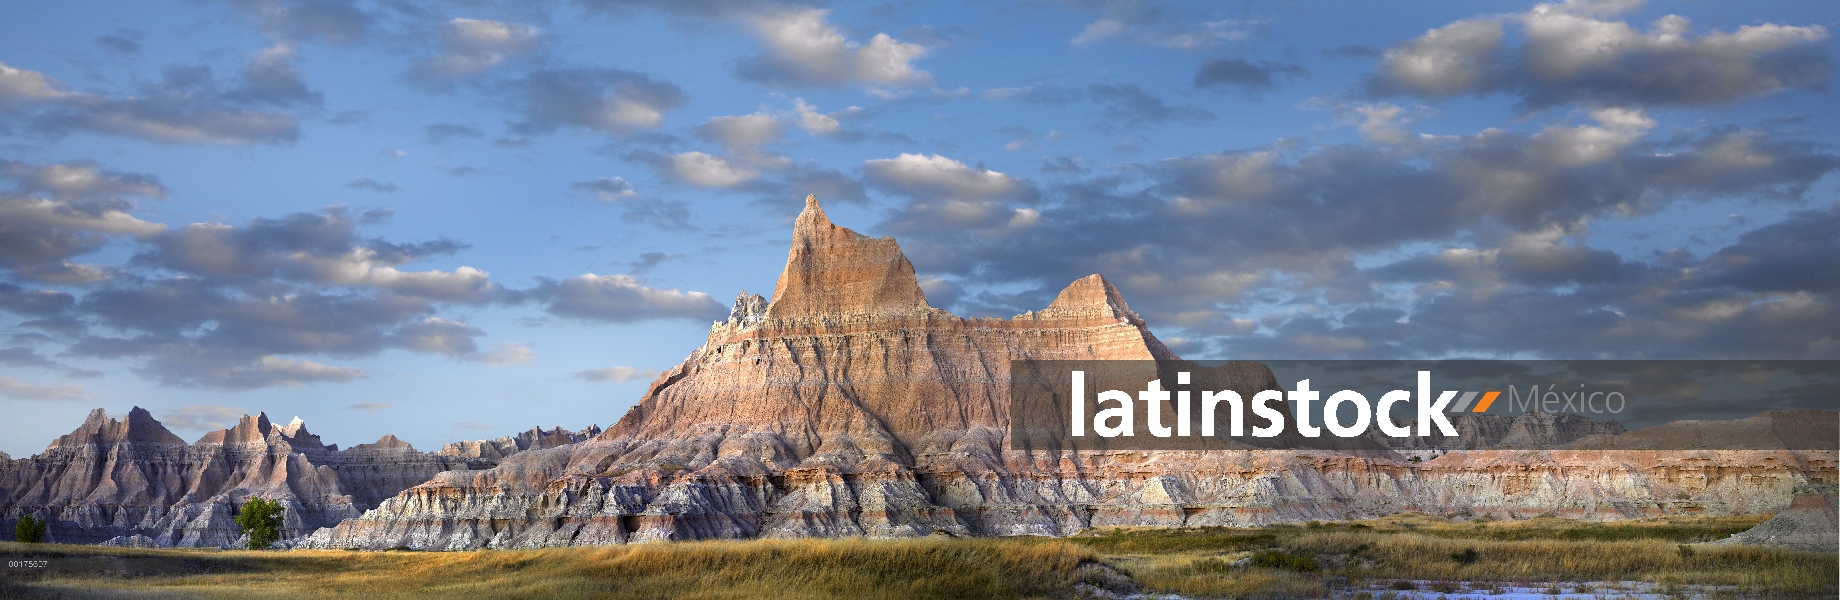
column 848, row 406
column 132, row 477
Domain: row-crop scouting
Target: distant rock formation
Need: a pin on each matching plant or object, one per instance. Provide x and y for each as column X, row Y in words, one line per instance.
column 849, row 406
column 130, row 480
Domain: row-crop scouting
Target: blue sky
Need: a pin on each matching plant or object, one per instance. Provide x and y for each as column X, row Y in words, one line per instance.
column 458, row 220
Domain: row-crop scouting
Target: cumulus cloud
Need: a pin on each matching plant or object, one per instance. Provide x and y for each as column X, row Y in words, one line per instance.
column 622, row 299
column 470, row 47
column 615, row 374
column 704, row 170
column 925, row 176
column 188, row 105
column 601, row 100
column 804, row 49
column 16, row 389
column 1581, row 52
column 1328, row 247
column 746, row 131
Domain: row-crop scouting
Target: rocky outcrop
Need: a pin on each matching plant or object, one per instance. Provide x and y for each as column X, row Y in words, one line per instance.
column 481, row 454
column 1810, row 523
column 131, row 479
column 848, row 406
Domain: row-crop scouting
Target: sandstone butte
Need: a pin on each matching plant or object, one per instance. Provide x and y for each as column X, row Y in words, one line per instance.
column 848, row 406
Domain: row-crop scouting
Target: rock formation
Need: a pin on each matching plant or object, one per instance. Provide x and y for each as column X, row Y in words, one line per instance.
column 848, row 406
column 1811, row 523
column 131, row 480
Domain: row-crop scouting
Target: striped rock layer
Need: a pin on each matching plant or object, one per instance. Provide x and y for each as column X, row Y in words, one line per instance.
column 847, row 406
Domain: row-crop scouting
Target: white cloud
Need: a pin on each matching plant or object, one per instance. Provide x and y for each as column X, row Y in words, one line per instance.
column 802, row 48
column 1449, row 60
column 742, row 132
column 1617, row 128
column 21, row 84
column 14, row 388
column 921, row 175
column 697, row 168
column 616, row 374
column 814, row 122
column 472, row 46
column 507, row 353
column 621, row 298
column 294, row 373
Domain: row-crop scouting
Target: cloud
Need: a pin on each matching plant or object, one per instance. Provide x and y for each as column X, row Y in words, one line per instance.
column 507, row 353
column 616, row 374
column 202, row 417
column 817, row 123
column 1153, row 23
column 470, row 47
column 662, row 213
column 935, row 176
column 1248, row 76
column 621, row 299
column 187, row 106
column 1472, row 244
column 368, row 184
column 370, row 406
column 441, row 133
column 600, row 100
column 125, row 42
column 1578, row 52
column 605, row 189
column 435, row 335
column 746, row 131
column 804, row 49
column 1128, row 104
column 59, row 211
column 337, row 22
column 16, row 389
column 703, row 170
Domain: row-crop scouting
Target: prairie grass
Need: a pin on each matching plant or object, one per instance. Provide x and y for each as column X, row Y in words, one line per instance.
column 853, row 568
column 1280, row 561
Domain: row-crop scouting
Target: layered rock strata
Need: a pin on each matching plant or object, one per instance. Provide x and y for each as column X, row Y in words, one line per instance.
column 848, row 406
column 132, row 477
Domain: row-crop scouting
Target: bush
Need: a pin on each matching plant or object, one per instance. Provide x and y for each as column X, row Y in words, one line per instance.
column 1467, row 556
column 29, row 530
column 262, row 520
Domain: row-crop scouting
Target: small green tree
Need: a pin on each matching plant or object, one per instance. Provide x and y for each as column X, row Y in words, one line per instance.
column 29, row 530
column 262, row 520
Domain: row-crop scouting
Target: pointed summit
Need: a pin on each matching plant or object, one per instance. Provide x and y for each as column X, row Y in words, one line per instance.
column 833, row 272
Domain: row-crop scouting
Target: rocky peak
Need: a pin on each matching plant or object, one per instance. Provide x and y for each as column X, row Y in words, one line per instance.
column 1091, row 295
column 248, row 430
column 749, row 310
column 98, row 429
column 835, row 272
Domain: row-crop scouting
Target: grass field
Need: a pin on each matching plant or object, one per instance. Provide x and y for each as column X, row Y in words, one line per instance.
column 1282, row 562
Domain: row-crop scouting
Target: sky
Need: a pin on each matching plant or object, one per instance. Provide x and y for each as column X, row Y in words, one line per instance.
column 460, row 219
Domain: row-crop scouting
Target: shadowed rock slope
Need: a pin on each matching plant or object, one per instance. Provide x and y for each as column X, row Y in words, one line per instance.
column 131, row 477
column 848, row 406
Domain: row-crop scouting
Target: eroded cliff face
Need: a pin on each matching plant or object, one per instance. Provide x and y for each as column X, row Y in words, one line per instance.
column 132, row 477
column 848, row 406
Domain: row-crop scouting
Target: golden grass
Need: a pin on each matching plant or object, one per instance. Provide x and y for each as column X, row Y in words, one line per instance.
column 924, row 568
column 1304, row 561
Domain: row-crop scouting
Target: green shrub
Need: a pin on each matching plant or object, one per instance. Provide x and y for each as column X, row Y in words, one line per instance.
column 1467, row 556
column 262, row 520
column 29, row 530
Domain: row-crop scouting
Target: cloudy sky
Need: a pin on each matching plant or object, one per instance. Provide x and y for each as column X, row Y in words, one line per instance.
column 461, row 219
